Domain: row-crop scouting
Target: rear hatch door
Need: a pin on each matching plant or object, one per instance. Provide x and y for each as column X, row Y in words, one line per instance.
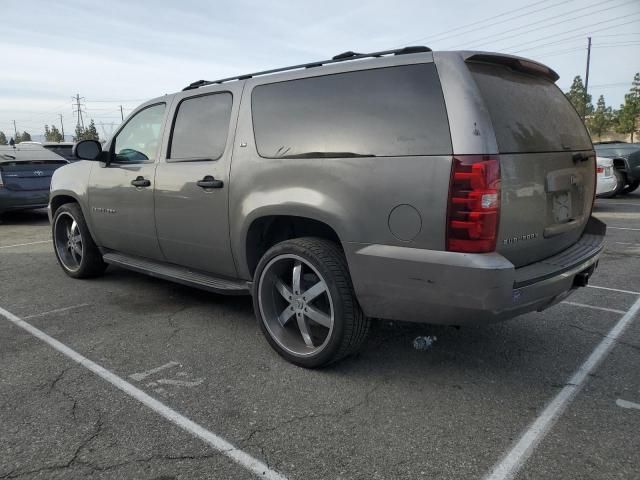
column 29, row 169
column 547, row 162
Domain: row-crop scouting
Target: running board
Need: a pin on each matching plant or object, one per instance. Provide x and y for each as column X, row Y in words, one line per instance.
column 177, row 274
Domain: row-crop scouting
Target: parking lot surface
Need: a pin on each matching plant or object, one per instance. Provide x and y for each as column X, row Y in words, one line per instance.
column 453, row 411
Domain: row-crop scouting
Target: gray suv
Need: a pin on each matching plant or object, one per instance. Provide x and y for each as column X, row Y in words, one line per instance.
column 439, row 187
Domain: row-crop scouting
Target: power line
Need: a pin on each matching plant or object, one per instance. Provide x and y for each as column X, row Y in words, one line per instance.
column 449, row 33
column 561, row 40
column 521, row 32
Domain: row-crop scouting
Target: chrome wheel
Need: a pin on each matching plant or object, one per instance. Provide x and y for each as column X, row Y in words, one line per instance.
column 68, row 241
column 295, row 305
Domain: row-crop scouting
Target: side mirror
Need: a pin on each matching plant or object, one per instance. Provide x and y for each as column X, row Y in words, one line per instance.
column 87, row 150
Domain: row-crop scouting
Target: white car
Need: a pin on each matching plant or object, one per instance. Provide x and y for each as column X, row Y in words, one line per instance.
column 609, row 181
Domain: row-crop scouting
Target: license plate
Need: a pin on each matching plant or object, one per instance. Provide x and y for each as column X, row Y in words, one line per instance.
column 562, row 207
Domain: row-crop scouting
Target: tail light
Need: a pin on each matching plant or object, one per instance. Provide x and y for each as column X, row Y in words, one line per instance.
column 599, row 169
column 474, row 204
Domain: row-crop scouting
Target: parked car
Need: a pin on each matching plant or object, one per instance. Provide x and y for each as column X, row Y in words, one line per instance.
column 25, row 176
column 620, row 152
column 609, row 180
column 61, row 148
column 446, row 187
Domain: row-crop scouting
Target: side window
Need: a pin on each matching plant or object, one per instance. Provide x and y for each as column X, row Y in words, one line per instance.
column 385, row 112
column 139, row 140
column 201, row 127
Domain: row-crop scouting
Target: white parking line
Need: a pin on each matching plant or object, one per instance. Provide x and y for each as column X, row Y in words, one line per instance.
column 630, row 292
column 524, row 447
column 623, row 228
column 604, row 309
column 218, row 443
column 619, row 203
column 142, row 375
column 57, row 310
column 24, row 244
column 627, row 404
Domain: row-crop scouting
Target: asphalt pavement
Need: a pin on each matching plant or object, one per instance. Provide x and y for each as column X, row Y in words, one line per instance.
column 453, row 411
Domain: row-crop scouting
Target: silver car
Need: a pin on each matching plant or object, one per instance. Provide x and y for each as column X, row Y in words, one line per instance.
column 439, row 187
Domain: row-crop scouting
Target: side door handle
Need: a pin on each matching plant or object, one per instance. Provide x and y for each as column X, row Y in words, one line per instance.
column 209, row 182
column 141, row 182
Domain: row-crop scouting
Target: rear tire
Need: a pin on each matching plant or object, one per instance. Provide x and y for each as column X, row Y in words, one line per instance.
column 631, row 187
column 75, row 249
column 305, row 304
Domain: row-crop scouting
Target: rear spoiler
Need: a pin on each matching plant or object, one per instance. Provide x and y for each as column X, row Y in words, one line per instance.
column 515, row 63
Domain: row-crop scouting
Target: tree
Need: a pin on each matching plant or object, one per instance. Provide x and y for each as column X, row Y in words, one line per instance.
column 577, row 95
column 25, row 137
column 52, row 134
column 3, row 138
column 91, row 133
column 79, row 134
column 601, row 120
column 18, row 138
column 629, row 114
column 86, row 133
column 56, row 136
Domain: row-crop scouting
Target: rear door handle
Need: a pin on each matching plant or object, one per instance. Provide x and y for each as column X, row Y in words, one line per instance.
column 209, row 182
column 141, row 182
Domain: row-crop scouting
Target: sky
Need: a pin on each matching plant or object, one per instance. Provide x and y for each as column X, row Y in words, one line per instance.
column 117, row 52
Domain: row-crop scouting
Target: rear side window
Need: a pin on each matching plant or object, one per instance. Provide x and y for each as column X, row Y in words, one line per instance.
column 201, row 127
column 529, row 113
column 394, row 111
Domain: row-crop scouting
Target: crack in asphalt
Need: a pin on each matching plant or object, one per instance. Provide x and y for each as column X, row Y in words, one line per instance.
column 171, row 321
column 97, row 429
column 54, row 386
column 344, row 412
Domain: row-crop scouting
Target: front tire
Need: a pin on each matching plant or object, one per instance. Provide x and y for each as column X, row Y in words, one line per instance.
column 75, row 249
column 305, row 304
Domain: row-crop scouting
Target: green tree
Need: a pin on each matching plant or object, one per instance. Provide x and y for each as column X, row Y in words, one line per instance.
column 25, row 137
column 601, row 120
column 91, row 133
column 79, row 134
column 3, row 138
column 578, row 96
column 56, row 136
column 628, row 116
column 47, row 133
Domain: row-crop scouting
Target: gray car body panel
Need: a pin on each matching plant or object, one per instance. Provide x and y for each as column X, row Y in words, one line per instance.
column 358, row 198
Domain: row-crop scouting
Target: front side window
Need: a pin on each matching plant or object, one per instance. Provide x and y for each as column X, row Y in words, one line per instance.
column 139, row 140
column 201, row 127
column 388, row 112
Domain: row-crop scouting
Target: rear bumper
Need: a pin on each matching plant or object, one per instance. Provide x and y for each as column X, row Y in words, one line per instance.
column 452, row 288
column 606, row 185
column 22, row 200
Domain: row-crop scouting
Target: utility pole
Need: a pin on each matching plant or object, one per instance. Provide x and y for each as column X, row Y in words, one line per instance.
column 121, row 113
column 78, row 109
column 61, row 126
column 15, row 131
column 586, row 78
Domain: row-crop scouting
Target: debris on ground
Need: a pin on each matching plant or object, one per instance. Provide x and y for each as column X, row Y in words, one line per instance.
column 424, row 343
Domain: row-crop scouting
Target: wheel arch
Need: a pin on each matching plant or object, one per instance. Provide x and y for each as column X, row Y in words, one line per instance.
column 266, row 230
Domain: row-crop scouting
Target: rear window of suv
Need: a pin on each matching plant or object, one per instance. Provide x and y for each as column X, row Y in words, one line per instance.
column 529, row 113
column 394, row 111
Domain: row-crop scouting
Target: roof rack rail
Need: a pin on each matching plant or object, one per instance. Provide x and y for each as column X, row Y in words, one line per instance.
column 342, row 57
